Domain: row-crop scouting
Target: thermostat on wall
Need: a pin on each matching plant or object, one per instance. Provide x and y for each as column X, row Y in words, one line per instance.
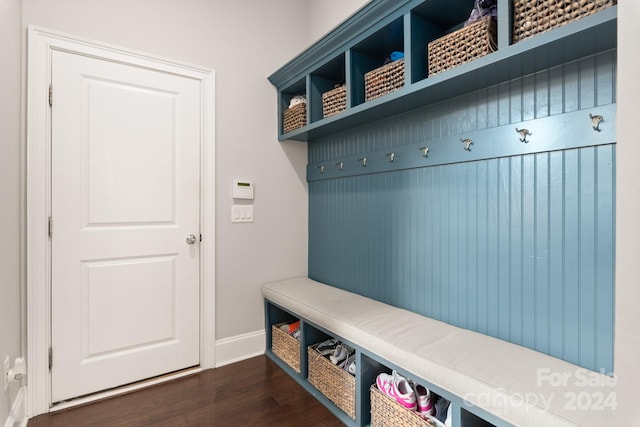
column 243, row 190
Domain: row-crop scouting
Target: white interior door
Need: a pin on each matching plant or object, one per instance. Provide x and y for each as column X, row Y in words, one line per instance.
column 125, row 176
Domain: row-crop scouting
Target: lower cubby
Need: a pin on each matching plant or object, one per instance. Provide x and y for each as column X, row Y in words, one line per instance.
column 386, row 412
column 354, row 399
column 284, row 344
column 332, row 380
column 469, row 419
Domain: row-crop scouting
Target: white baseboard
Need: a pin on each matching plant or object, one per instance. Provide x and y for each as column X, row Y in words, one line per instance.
column 18, row 415
column 240, row 347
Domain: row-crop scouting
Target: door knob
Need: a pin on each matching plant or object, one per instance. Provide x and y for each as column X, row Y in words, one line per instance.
column 191, row 239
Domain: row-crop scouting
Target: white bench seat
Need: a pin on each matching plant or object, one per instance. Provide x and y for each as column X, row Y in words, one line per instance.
column 519, row 385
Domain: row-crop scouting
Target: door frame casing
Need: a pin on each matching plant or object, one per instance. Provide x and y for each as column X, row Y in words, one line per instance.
column 41, row 43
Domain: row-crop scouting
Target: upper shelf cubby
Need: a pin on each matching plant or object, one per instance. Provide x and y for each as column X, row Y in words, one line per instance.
column 329, row 76
column 373, row 53
column 294, row 114
column 431, row 20
column 341, row 60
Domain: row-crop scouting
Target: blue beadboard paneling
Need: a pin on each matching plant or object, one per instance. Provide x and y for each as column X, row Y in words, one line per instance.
column 520, row 247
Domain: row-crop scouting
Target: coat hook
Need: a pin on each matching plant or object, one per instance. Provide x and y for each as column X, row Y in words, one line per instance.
column 363, row 161
column 468, row 142
column 596, row 119
column 425, row 151
column 391, row 156
column 340, row 165
column 320, row 168
column 524, row 133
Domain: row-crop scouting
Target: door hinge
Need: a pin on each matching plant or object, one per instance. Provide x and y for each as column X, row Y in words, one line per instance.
column 50, row 227
column 50, row 358
column 50, row 96
column 201, row 237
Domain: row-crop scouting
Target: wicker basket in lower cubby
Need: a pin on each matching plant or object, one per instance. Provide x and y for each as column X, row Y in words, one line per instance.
column 531, row 17
column 386, row 412
column 463, row 45
column 383, row 80
column 294, row 117
column 334, row 101
column 285, row 346
column 335, row 383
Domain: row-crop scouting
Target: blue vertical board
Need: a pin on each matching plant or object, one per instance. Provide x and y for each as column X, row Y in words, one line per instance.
column 469, row 310
column 587, row 88
column 541, row 240
column 482, row 243
column 556, row 253
column 493, row 245
column 605, row 78
column 519, row 247
column 586, row 258
column 528, row 105
column 542, row 84
column 605, row 257
column 570, row 256
column 556, row 91
column 514, row 284
column 503, row 202
column 529, row 261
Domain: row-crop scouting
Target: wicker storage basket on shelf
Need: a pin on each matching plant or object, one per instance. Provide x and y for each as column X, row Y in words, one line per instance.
column 294, row 117
column 384, row 79
column 386, row 412
column 285, row 346
column 463, row 45
column 531, row 17
column 334, row 101
column 335, row 383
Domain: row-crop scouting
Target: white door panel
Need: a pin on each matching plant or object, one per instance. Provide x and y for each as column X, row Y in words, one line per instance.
column 125, row 194
column 117, row 115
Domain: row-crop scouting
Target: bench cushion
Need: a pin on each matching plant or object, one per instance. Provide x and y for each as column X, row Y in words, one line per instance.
column 519, row 385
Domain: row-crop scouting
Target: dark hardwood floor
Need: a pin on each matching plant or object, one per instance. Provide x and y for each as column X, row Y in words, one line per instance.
column 254, row 392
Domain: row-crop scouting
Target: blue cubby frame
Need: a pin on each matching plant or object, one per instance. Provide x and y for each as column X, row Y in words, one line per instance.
column 423, row 21
column 368, row 366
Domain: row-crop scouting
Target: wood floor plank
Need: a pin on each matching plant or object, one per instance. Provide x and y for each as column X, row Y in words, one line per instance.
column 253, row 392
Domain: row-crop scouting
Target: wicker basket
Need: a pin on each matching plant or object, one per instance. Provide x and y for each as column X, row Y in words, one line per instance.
column 334, row 101
column 335, row 383
column 386, row 412
column 464, row 45
column 294, row 117
column 285, row 346
column 531, row 17
column 383, row 80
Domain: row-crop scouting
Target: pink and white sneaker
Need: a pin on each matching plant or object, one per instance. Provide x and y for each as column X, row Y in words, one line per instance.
column 398, row 388
column 423, row 399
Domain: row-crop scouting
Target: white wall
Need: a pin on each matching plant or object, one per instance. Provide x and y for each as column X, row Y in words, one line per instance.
column 244, row 42
column 10, row 241
column 627, row 338
column 324, row 15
